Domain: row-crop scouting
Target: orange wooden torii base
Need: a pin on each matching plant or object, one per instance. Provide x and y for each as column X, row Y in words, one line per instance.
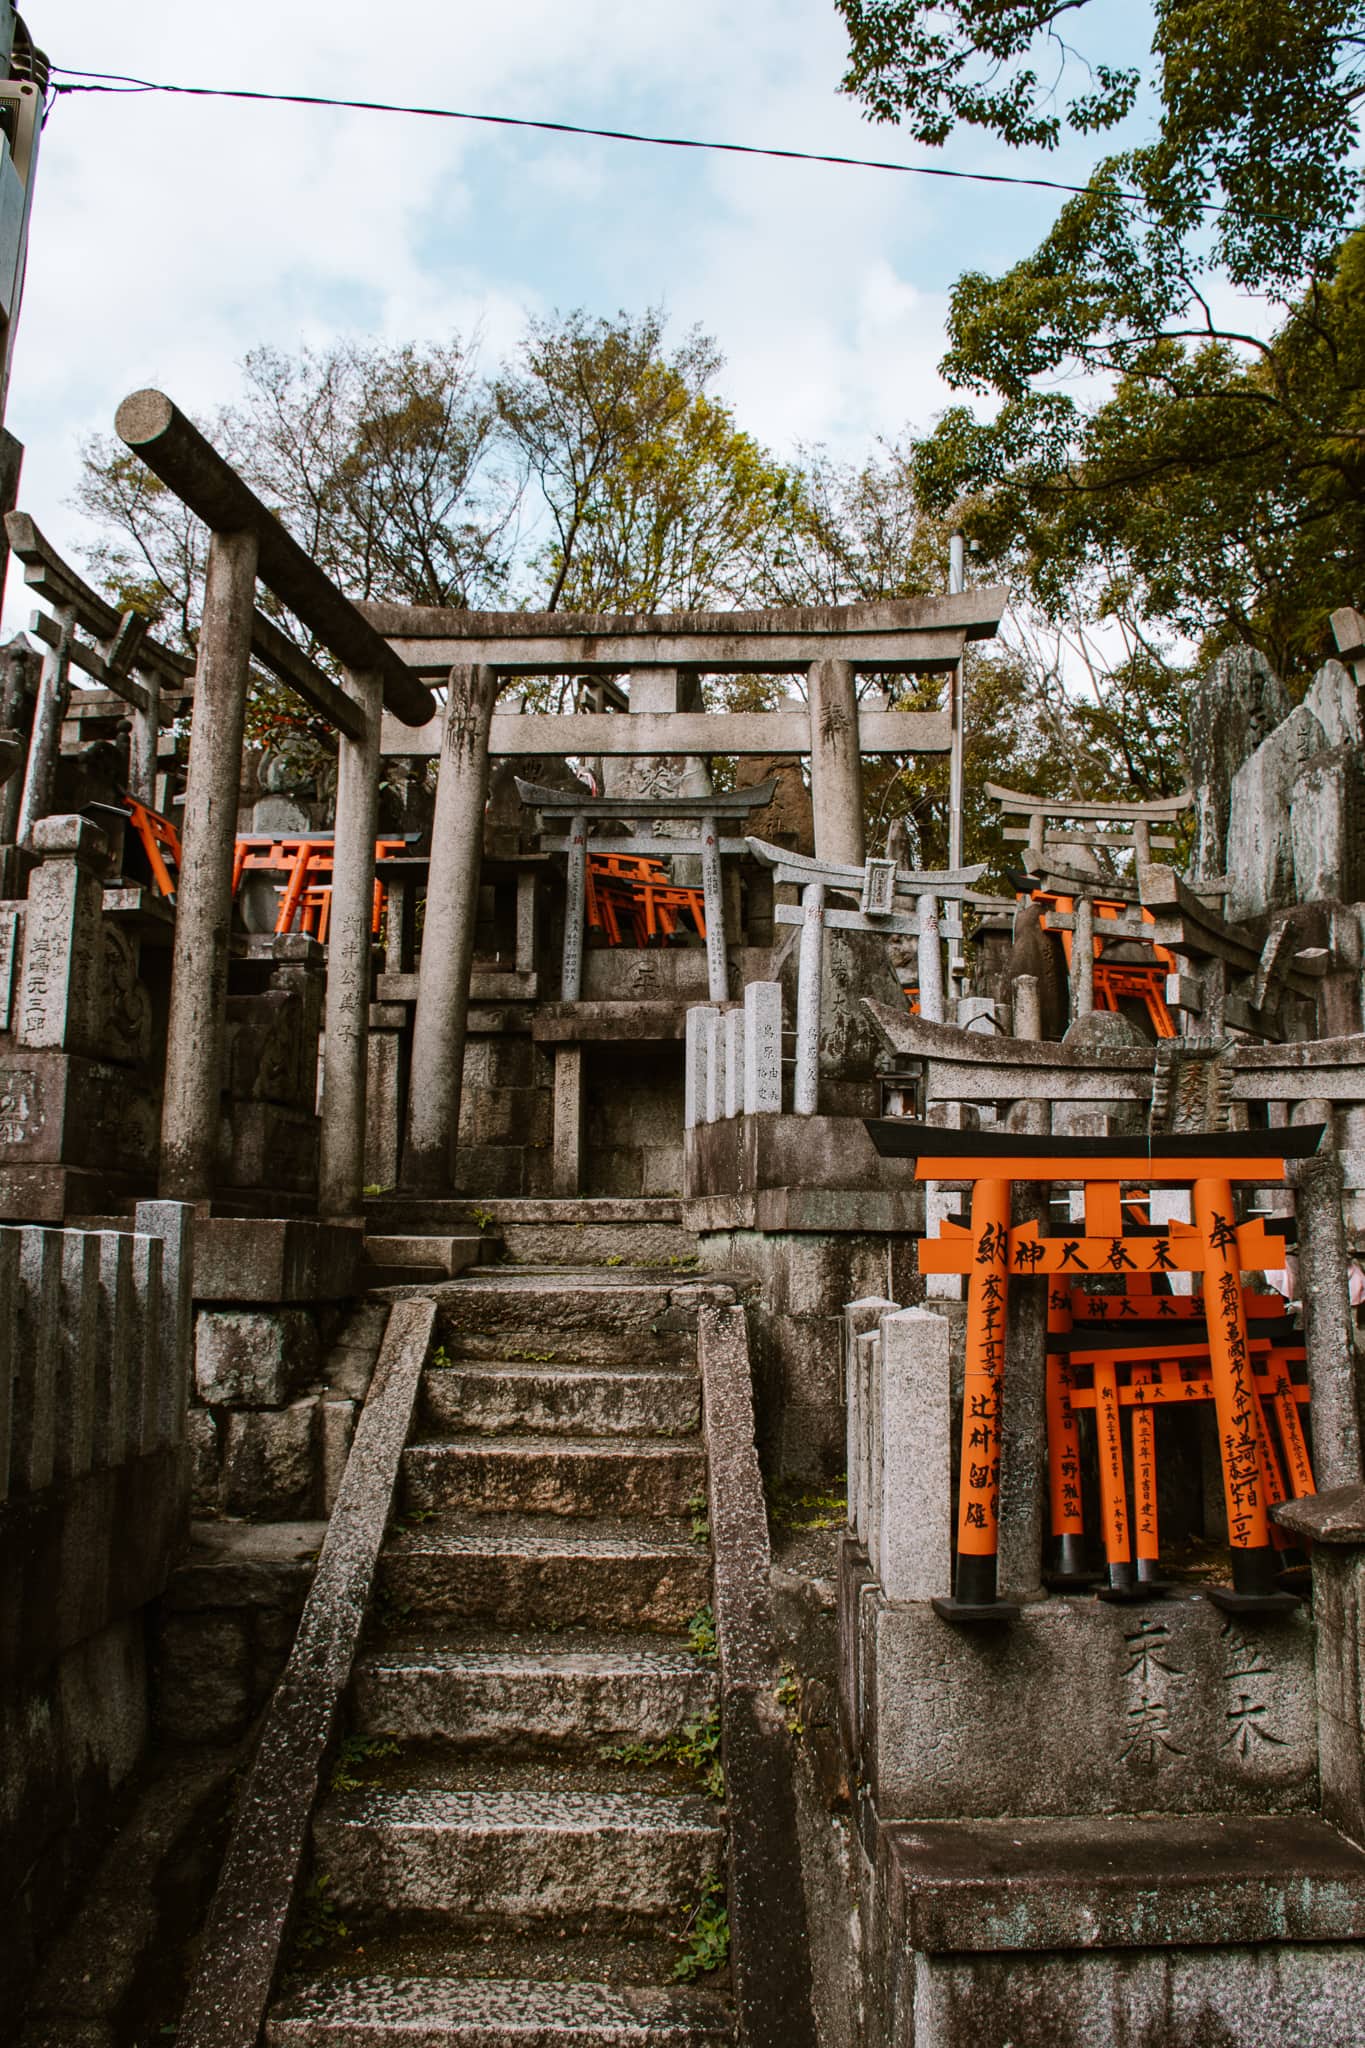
column 990, row 1249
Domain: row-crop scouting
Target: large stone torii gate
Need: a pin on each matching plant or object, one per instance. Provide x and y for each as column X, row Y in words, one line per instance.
column 475, row 653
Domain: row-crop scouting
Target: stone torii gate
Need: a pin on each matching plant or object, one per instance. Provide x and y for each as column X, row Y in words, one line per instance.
column 474, row 653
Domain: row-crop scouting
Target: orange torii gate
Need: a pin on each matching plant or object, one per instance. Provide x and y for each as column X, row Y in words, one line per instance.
column 990, row 1249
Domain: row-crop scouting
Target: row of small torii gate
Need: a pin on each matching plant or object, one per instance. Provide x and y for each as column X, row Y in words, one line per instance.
column 400, row 667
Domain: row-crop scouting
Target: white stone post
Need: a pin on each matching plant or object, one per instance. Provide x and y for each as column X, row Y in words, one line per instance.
column 836, row 767
column 1028, row 1011
column 203, row 910
column 734, row 1062
column 931, row 999
column 1083, row 959
column 442, row 1013
column 762, row 1048
column 714, row 1029
column 350, row 949
column 808, row 973
column 695, row 1066
column 913, row 1558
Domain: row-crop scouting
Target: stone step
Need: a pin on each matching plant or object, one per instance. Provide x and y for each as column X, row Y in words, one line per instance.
column 506, row 1396
column 556, row 1475
column 517, row 1846
column 455, row 2012
column 526, row 1571
column 451, row 1253
column 521, row 1692
column 577, row 1316
column 576, row 1230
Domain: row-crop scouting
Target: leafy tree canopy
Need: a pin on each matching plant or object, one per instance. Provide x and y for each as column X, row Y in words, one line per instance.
column 1148, row 447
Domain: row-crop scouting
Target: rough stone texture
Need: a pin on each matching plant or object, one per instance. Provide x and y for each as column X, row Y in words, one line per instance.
column 1279, row 1996
column 512, row 1571
column 523, row 1692
column 525, row 1852
column 914, row 1547
column 375, row 2010
column 241, row 1943
column 555, row 1475
column 771, row 1953
column 253, row 1358
column 274, row 1260
column 1234, row 707
column 581, row 1318
column 227, row 1623
column 495, row 1398
column 269, row 1464
column 1260, row 846
column 1169, row 1708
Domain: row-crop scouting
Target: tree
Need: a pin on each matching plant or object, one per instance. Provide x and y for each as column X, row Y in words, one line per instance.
column 1214, row 486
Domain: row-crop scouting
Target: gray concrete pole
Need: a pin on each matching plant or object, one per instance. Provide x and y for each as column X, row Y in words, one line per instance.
column 713, row 907
column 809, row 972
column 341, row 1172
column 438, row 1032
column 203, row 914
column 836, row 766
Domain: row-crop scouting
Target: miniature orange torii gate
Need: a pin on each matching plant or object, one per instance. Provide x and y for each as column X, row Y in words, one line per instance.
column 989, row 1249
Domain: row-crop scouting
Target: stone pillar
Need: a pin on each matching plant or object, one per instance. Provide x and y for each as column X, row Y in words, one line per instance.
column 914, row 1547
column 1329, row 1325
column 350, row 946
column 61, row 984
column 694, row 1065
column 203, row 916
column 836, row 767
column 714, row 1030
column 567, row 1161
column 173, row 1223
column 146, row 732
column 45, row 740
column 1028, row 1012
column 931, row 1005
column 1083, row 960
column 734, row 1062
column 438, row 1033
column 575, row 909
column 762, row 1048
column 1023, row 1420
column 809, row 969
column 713, row 900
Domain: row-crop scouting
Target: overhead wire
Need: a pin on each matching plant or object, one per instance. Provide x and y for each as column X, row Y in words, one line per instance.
column 118, row 82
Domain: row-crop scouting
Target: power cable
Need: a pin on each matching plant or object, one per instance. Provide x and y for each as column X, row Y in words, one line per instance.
column 115, row 82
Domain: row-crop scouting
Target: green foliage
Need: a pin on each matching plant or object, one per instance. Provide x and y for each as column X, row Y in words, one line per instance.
column 697, row 1508
column 706, row 1937
column 696, row 1746
column 355, row 1755
column 787, row 1693
column 701, row 1635
column 317, row 1923
column 482, row 1219
column 794, row 1507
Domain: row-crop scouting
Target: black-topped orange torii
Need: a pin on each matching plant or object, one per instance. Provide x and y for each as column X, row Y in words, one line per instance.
column 990, row 1249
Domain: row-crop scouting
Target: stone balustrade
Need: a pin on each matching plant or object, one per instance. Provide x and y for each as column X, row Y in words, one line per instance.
column 94, row 1346
column 734, row 1057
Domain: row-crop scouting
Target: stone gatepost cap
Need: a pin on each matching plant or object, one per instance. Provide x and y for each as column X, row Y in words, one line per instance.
column 68, row 836
column 1337, row 1516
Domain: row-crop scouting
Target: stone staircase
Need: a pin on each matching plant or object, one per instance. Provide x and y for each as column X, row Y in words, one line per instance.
column 501, row 1883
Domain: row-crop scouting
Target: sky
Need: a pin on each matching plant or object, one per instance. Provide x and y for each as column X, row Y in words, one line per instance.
column 170, row 236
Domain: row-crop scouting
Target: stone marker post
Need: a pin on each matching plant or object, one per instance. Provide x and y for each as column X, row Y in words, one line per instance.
column 438, row 1032
column 914, row 1549
column 808, row 974
column 762, row 1048
column 714, row 1038
column 1083, row 960
column 575, row 909
column 694, row 1065
column 931, row 998
column 203, row 915
column 341, row 1170
column 1334, row 1373
column 836, row 767
column 713, row 902
column 146, row 732
column 61, row 985
column 734, row 1062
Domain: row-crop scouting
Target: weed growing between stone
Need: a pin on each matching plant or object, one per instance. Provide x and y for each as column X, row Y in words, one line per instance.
column 356, row 1753
column 787, row 1693
column 701, row 1520
column 696, row 1745
column 317, row 1923
column 795, row 1507
column 701, row 1635
column 706, row 1937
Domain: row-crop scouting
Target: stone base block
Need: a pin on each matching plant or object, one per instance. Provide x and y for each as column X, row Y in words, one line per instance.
column 268, row 1146
column 60, row 1108
column 228, row 1621
column 275, row 1259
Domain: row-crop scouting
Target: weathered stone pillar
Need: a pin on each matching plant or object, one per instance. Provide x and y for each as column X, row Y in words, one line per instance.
column 1328, row 1323
column 61, row 983
column 341, row 1170
column 810, row 962
column 931, row 998
column 146, row 731
column 448, row 932
column 836, row 767
column 194, row 1041
column 1083, row 960
column 45, row 740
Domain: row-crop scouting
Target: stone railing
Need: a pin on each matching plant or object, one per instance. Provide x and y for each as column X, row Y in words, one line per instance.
column 734, row 1057
column 94, row 1346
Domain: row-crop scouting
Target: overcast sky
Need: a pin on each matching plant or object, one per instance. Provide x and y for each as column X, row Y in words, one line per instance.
column 169, row 236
